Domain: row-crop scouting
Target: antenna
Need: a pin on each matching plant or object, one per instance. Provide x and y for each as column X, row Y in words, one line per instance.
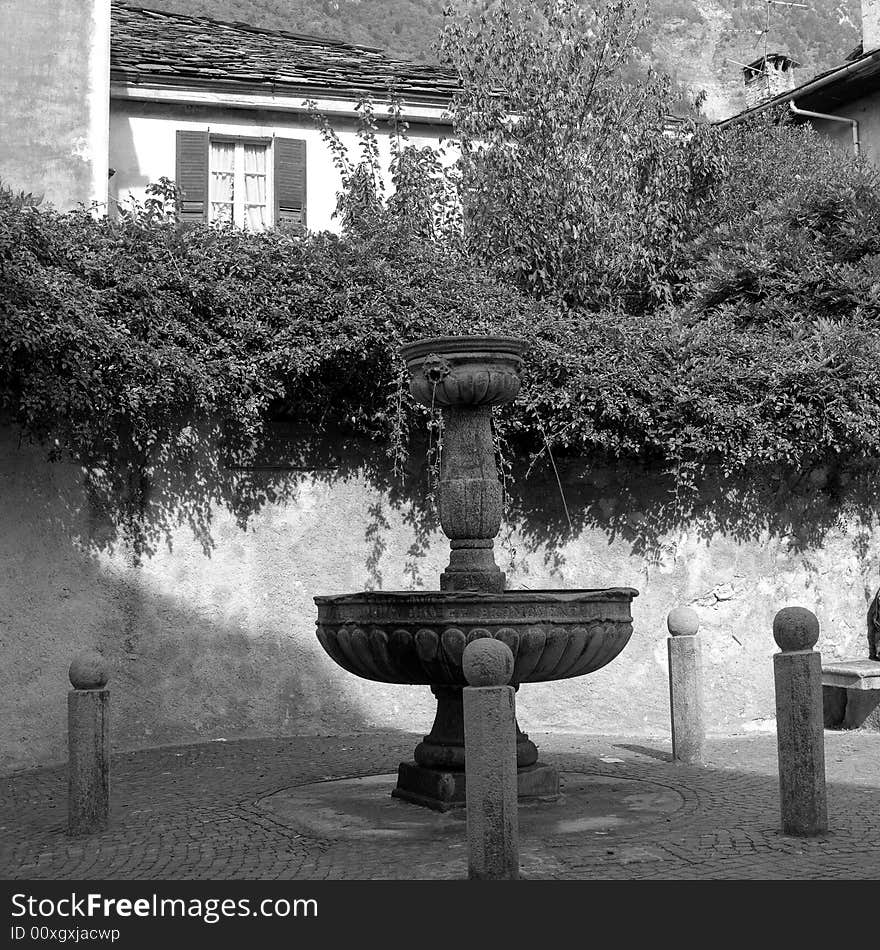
column 766, row 31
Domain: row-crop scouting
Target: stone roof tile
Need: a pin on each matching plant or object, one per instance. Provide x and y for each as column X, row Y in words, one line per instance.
column 153, row 46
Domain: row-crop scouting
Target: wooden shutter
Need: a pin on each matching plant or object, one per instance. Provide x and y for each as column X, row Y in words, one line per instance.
column 192, row 175
column 290, row 182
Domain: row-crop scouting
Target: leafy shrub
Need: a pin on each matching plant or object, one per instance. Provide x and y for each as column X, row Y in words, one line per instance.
column 136, row 349
column 794, row 234
column 130, row 346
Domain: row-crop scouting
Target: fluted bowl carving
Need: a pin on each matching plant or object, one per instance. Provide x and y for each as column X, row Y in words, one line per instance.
column 419, row 637
column 465, row 371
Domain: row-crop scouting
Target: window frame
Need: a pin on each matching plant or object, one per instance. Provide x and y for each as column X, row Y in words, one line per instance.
column 240, row 141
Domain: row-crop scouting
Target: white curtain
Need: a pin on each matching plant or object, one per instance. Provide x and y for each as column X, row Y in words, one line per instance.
column 222, row 181
column 255, row 210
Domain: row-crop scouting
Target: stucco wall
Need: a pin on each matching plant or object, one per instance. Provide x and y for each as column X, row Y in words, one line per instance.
column 55, row 87
column 142, row 146
column 222, row 646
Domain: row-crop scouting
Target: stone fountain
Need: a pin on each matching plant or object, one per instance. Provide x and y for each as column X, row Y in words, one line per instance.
column 419, row 637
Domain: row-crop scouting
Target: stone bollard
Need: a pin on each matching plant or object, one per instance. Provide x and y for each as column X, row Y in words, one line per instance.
column 797, row 672
column 490, row 762
column 685, row 686
column 88, row 743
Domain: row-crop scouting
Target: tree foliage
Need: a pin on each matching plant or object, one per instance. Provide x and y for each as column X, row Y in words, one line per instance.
column 574, row 182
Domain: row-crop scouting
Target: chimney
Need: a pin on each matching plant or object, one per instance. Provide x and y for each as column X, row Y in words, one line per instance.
column 870, row 25
column 773, row 74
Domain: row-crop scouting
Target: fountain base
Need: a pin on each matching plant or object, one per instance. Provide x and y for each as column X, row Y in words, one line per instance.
column 445, row 789
column 443, row 748
column 436, row 779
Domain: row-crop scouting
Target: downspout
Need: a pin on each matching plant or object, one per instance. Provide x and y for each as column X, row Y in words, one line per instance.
column 831, row 118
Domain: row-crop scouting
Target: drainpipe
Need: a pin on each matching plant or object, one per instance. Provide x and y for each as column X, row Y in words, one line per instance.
column 831, row 118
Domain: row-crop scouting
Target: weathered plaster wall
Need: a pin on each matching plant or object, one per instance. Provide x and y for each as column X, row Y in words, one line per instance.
column 55, row 90
column 224, row 646
column 142, row 146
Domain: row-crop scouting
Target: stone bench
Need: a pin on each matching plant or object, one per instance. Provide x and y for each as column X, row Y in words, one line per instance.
column 851, row 694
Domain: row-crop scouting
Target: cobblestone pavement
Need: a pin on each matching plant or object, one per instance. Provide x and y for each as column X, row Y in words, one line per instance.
column 192, row 812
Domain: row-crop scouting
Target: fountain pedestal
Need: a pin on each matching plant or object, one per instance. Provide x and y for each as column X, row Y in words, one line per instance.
column 400, row 637
column 436, row 777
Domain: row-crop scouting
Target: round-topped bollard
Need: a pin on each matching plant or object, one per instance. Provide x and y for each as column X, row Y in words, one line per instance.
column 88, row 744
column 683, row 622
column 795, row 628
column 88, row 671
column 685, row 685
column 490, row 761
column 487, row 662
column 797, row 674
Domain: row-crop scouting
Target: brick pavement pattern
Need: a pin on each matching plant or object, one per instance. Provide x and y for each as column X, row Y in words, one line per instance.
column 192, row 812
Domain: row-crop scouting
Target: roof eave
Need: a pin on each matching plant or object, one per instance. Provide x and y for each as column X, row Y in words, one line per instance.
column 382, row 93
column 340, row 102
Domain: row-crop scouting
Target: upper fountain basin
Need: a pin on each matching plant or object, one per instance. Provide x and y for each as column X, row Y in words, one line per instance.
column 419, row 637
column 464, row 370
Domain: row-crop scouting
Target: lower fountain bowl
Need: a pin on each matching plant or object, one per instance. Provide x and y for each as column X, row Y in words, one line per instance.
column 419, row 637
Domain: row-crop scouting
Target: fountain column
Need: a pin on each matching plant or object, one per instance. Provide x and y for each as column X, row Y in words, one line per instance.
column 470, row 500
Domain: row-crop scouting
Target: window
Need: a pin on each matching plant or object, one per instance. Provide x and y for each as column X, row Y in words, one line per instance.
column 239, row 184
column 250, row 183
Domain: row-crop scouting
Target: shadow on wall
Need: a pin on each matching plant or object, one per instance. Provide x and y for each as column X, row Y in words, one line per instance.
column 177, row 674
column 641, row 506
column 139, row 509
column 195, row 653
column 550, row 501
column 186, row 665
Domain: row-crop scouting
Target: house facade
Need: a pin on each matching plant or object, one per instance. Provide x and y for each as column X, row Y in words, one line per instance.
column 224, row 110
column 842, row 103
column 101, row 100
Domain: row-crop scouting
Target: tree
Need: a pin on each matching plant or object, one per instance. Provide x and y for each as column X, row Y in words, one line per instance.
column 575, row 181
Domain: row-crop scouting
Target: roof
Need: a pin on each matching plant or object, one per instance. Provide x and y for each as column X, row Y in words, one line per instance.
column 827, row 92
column 153, row 47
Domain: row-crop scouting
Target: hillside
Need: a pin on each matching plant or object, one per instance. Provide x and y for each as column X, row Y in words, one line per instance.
column 404, row 28
column 699, row 42
column 703, row 42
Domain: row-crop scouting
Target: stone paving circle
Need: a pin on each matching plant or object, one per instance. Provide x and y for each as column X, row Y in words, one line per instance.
column 319, row 807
